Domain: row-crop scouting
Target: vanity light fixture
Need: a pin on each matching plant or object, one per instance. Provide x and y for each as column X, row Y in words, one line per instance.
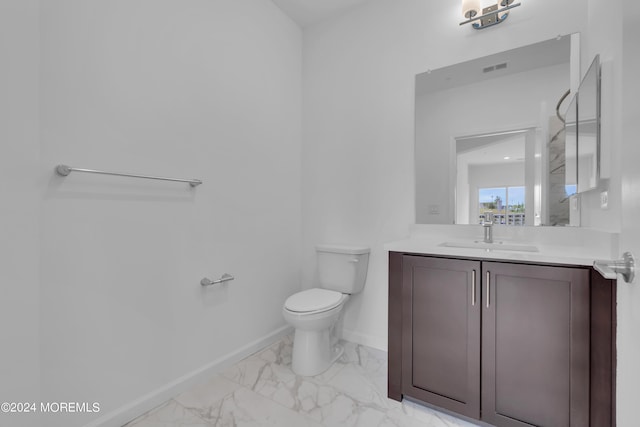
column 491, row 15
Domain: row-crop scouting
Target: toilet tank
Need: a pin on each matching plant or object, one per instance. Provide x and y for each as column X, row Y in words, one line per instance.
column 342, row 268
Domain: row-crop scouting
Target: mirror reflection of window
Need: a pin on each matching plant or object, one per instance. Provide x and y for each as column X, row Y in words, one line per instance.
column 506, row 203
column 494, row 173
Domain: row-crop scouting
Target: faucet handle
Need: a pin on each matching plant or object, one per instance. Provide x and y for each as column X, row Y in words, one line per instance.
column 488, row 217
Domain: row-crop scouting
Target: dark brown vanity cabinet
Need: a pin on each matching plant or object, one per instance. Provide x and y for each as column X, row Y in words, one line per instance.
column 441, row 345
column 535, row 345
column 505, row 343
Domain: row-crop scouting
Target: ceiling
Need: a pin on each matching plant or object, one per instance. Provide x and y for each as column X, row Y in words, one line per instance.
column 308, row 12
column 502, row 150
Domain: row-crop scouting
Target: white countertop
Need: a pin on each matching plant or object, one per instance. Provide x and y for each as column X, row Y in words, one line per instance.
column 556, row 245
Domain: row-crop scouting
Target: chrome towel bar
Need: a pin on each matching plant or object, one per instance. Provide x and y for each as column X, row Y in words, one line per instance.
column 65, row 170
column 611, row 269
column 225, row 278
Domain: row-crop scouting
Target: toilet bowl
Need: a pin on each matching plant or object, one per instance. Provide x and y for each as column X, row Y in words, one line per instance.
column 315, row 346
column 314, row 313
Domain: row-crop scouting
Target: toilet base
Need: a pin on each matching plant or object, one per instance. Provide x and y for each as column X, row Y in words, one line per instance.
column 315, row 341
column 313, row 353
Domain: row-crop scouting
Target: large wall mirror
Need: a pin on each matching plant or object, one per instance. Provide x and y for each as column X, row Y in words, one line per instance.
column 489, row 138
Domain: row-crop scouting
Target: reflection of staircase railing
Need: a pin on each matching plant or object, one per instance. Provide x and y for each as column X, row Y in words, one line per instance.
column 505, row 219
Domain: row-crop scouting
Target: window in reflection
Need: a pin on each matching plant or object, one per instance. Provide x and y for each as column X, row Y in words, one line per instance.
column 506, row 203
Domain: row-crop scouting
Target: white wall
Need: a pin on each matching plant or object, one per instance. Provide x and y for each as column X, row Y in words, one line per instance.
column 357, row 160
column 628, row 64
column 19, row 201
column 210, row 90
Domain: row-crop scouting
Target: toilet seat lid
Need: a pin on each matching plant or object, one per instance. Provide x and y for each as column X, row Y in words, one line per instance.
column 315, row 299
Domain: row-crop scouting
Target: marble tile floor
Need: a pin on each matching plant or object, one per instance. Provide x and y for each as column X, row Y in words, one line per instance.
column 262, row 390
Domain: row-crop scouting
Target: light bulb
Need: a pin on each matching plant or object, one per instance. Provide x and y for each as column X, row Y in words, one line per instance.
column 470, row 8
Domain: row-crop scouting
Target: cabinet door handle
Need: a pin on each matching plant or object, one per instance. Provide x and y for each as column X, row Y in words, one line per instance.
column 473, row 287
column 488, row 288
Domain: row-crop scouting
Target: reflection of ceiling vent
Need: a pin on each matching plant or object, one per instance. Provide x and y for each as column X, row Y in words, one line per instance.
column 495, row 67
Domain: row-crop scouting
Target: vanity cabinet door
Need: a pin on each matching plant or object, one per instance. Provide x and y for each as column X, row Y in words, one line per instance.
column 441, row 332
column 535, row 345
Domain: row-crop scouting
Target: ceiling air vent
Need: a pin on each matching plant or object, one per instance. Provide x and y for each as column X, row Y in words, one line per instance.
column 495, row 67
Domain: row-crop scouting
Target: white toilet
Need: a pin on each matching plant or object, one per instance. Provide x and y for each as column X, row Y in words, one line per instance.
column 342, row 271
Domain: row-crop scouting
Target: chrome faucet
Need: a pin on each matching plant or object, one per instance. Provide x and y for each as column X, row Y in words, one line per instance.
column 487, row 224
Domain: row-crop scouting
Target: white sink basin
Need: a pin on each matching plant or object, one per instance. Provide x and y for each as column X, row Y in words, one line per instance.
column 495, row 246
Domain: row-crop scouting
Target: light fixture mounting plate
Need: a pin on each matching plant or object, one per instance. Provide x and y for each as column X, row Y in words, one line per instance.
column 491, row 15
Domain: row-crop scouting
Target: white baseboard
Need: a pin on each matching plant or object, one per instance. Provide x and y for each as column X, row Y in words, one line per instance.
column 379, row 343
column 149, row 401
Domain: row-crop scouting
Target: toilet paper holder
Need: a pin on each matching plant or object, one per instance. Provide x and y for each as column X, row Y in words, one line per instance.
column 224, row 278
